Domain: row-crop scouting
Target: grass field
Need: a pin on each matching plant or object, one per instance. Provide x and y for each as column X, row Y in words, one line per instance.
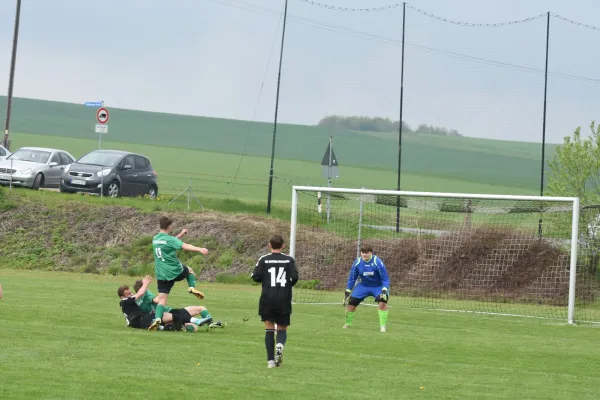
column 63, row 336
column 209, row 150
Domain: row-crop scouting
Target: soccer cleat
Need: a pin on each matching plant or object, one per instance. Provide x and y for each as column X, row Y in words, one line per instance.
column 271, row 364
column 205, row 321
column 218, row 324
column 155, row 324
column 382, row 329
column 346, row 326
column 278, row 354
column 196, row 293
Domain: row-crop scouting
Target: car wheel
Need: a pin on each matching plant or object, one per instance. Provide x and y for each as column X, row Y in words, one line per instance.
column 153, row 192
column 38, row 182
column 113, row 189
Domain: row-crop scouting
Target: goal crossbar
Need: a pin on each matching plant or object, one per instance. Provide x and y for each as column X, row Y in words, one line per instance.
column 574, row 201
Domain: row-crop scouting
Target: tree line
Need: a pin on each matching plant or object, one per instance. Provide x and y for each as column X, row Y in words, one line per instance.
column 377, row 124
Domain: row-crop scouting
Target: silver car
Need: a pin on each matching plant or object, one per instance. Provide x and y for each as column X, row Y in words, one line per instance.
column 4, row 153
column 34, row 167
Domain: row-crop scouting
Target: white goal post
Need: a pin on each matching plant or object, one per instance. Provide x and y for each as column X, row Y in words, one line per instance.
column 448, row 210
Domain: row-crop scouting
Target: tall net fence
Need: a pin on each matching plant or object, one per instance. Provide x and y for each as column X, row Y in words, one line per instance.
column 340, row 65
column 478, row 81
column 457, row 254
column 573, row 79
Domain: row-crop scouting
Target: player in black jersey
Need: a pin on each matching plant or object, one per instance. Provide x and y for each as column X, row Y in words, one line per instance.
column 278, row 274
column 135, row 317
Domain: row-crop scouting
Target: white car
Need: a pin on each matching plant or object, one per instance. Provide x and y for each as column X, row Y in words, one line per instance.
column 34, row 167
column 4, row 153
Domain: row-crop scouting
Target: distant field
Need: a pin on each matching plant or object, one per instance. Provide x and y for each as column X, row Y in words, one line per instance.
column 212, row 173
column 428, row 162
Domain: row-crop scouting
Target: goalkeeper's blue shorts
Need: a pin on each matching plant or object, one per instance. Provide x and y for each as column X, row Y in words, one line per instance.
column 360, row 292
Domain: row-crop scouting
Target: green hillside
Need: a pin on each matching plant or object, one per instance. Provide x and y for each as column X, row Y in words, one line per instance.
column 489, row 162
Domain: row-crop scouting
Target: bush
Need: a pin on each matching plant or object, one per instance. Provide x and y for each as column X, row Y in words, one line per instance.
column 388, row 200
column 226, row 258
column 529, row 208
column 311, row 284
column 457, row 206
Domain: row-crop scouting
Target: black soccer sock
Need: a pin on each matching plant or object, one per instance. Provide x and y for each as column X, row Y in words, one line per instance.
column 270, row 344
column 281, row 336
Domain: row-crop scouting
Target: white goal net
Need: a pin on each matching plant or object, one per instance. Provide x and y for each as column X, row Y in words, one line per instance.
column 513, row 255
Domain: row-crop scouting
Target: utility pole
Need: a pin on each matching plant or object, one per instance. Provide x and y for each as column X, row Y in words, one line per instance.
column 11, row 79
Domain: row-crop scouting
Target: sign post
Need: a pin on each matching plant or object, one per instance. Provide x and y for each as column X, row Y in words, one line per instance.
column 330, row 170
column 102, row 116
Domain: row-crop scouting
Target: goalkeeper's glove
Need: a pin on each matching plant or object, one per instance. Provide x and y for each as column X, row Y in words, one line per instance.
column 384, row 295
column 346, row 296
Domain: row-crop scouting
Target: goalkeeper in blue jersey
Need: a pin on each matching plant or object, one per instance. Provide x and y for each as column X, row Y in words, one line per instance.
column 374, row 281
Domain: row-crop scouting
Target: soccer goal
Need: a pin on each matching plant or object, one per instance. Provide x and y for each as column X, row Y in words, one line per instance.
column 500, row 254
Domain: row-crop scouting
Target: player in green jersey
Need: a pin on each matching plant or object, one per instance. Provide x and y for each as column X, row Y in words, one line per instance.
column 149, row 301
column 168, row 268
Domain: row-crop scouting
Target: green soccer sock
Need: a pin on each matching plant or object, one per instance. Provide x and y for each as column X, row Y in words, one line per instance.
column 205, row 314
column 191, row 280
column 383, row 317
column 160, row 309
column 350, row 317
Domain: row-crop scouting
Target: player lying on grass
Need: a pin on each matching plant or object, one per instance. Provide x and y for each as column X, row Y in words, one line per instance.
column 136, row 318
column 374, row 281
column 278, row 274
column 148, row 302
column 168, row 268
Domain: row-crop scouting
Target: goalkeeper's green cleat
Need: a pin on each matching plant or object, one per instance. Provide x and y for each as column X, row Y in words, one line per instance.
column 155, row 324
column 196, row 293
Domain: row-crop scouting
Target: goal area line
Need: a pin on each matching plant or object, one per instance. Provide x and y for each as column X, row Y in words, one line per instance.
column 445, row 310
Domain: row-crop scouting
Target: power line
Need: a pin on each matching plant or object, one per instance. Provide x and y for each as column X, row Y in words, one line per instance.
column 337, row 8
column 595, row 28
column 448, row 20
column 477, row 25
column 428, row 14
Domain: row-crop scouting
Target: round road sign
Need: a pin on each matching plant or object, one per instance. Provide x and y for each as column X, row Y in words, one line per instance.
column 102, row 115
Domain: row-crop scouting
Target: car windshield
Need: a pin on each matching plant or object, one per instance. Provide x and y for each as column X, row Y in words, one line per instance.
column 99, row 158
column 37, row 156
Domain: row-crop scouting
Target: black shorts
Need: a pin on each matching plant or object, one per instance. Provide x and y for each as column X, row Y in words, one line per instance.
column 165, row 286
column 181, row 314
column 276, row 318
column 142, row 322
column 174, row 326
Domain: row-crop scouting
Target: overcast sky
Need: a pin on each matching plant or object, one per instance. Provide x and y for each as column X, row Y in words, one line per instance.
column 219, row 58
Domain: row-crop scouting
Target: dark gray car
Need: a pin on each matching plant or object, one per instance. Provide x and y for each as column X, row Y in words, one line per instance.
column 121, row 173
